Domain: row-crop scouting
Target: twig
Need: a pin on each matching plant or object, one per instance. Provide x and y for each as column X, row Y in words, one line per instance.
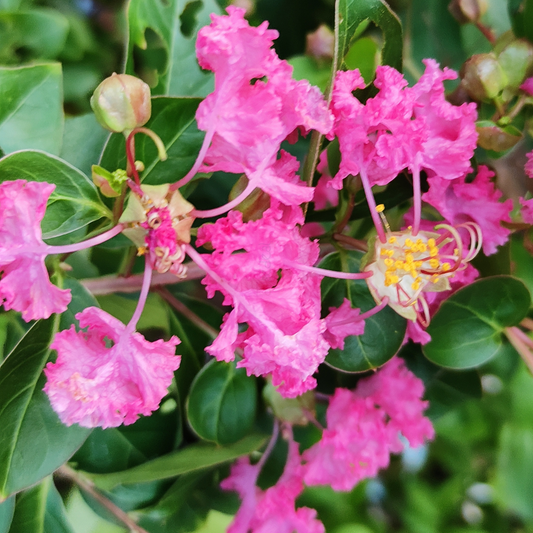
column 186, row 312
column 88, row 486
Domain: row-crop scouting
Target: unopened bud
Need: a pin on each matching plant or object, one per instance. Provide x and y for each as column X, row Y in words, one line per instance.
column 122, row 103
column 516, row 60
column 296, row 411
column 465, row 11
column 254, row 205
column 483, row 77
column 109, row 183
column 496, row 138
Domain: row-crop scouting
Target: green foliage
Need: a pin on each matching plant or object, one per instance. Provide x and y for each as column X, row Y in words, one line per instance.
column 384, row 331
column 467, row 329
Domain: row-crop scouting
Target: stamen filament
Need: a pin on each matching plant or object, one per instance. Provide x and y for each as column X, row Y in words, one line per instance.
column 372, row 206
column 329, row 273
column 145, row 289
column 99, row 239
column 226, row 207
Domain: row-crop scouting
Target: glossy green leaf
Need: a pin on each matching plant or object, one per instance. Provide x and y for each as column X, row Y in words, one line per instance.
column 31, row 108
column 521, row 12
column 30, row 508
column 40, row 32
column 27, row 418
column 514, row 483
column 363, row 55
column 190, row 459
column 83, row 142
column 467, row 329
column 81, row 299
column 353, row 12
column 73, row 204
column 7, row 508
column 55, row 517
column 161, row 45
column 173, row 119
column 384, row 331
column 222, row 403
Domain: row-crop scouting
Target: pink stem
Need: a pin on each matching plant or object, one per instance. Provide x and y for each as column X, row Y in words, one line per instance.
column 417, row 198
column 520, row 346
column 372, row 206
column 99, row 239
column 199, row 160
column 145, row 289
column 270, row 447
column 329, row 273
column 226, row 207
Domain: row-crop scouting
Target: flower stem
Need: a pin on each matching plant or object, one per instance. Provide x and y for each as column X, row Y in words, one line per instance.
column 88, row 487
column 99, row 239
column 186, row 312
column 514, row 336
column 372, row 206
column 226, row 207
column 145, row 289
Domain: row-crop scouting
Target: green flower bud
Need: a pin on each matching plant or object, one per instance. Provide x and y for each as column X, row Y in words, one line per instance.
column 122, row 103
column 496, row 138
column 516, row 59
column 483, row 77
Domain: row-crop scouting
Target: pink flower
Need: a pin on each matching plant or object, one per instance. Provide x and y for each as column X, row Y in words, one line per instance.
column 25, row 285
column 527, row 210
column 107, row 376
column 529, row 165
column 255, row 106
column 272, row 510
column 269, row 292
column 458, row 201
column 363, row 427
column 527, row 86
column 341, row 322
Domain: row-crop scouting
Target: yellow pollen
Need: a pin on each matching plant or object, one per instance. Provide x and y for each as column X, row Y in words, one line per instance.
column 433, row 251
column 390, row 253
column 409, row 258
column 380, row 208
column 399, row 264
column 431, row 243
column 446, row 266
column 141, row 250
column 415, row 285
column 434, row 279
column 388, row 262
column 409, row 242
column 434, row 263
column 392, row 240
column 418, row 264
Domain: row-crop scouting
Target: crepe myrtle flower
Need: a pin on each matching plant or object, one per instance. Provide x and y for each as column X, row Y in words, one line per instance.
column 25, row 285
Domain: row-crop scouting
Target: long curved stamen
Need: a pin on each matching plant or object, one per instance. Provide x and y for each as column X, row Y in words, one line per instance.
column 99, row 239
column 226, row 207
column 425, row 318
column 145, row 289
column 372, row 205
column 328, row 273
column 374, row 311
column 417, row 197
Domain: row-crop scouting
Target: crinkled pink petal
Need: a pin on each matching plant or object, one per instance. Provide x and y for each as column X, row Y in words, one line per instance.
column 341, row 322
column 273, row 510
column 25, row 285
column 528, row 168
column 256, row 105
column 527, row 210
column 107, row 376
column 363, row 427
column 478, row 201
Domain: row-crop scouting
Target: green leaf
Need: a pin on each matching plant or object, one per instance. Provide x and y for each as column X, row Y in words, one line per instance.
column 7, row 508
column 30, row 509
column 514, row 484
column 41, row 34
column 72, row 205
column 354, row 12
column 467, row 329
column 161, row 45
column 521, row 12
column 26, row 417
column 83, row 142
column 31, row 108
column 81, row 299
column 173, row 119
column 190, row 459
column 363, row 54
column 384, row 331
column 222, row 403
column 55, row 517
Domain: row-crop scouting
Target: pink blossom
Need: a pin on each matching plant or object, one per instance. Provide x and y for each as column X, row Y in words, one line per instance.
column 449, row 131
column 341, row 322
column 272, row 510
column 107, row 376
column 527, row 210
column 458, row 201
column 255, row 106
column 25, row 285
column 363, row 427
column 527, row 86
column 529, row 165
column 280, row 303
